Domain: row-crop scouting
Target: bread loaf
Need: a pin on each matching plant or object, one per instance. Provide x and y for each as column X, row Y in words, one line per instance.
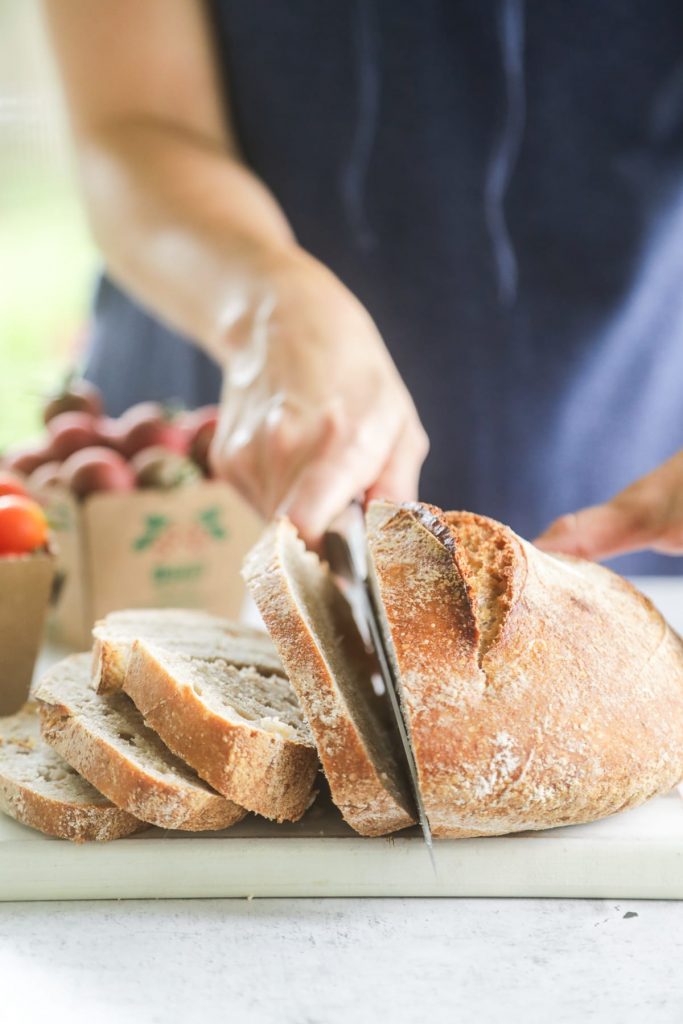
column 538, row 690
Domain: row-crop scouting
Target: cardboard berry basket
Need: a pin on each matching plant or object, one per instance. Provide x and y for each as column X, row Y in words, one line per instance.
column 25, row 588
column 147, row 548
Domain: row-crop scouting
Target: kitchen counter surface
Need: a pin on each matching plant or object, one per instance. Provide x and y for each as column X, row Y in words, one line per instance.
column 342, row 961
column 329, row 961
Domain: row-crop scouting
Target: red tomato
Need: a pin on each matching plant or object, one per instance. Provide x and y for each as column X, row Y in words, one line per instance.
column 96, row 469
column 70, row 432
column 158, row 467
column 25, row 460
column 45, row 476
column 11, row 484
column 23, row 526
column 109, row 432
column 193, row 419
column 201, row 443
column 149, row 425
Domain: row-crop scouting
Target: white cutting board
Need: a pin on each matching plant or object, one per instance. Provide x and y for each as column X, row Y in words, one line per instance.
column 638, row 854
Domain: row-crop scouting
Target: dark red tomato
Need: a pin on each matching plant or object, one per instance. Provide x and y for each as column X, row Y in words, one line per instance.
column 149, row 425
column 69, row 432
column 77, row 396
column 201, row 443
column 96, row 469
column 159, row 468
column 25, row 460
column 44, row 476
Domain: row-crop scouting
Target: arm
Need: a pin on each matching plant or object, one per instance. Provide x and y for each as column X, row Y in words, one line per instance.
column 648, row 514
column 315, row 411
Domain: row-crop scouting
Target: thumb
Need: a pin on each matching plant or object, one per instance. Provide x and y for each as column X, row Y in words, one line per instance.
column 601, row 531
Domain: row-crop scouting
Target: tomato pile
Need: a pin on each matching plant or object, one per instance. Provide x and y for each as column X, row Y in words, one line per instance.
column 86, row 451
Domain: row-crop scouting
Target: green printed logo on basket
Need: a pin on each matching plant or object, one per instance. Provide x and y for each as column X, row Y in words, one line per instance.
column 60, row 516
column 168, row 537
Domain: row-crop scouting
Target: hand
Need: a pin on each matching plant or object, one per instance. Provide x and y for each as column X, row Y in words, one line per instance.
column 648, row 514
column 314, row 411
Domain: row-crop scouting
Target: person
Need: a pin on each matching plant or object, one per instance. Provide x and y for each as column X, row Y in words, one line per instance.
column 389, row 225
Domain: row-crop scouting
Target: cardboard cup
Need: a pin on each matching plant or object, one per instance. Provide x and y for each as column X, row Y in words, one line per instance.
column 25, row 587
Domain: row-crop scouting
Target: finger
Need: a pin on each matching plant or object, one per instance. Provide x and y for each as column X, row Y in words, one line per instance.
column 261, row 446
column 328, row 484
column 285, row 446
column 242, row 480
column 322, row 491
column 235, row 466
column 399, row 478
column 601, row 531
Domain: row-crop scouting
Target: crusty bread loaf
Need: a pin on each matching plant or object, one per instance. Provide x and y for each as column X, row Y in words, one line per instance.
column 537, row 690
column 104, row 738
column 187, row 631
column 41, row 790
column 242, row 731
column 314, row 632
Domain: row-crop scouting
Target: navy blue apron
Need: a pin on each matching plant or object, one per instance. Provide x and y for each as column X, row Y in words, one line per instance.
column 501, row 185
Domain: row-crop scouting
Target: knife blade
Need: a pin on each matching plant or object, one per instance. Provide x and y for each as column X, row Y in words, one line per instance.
column 346, row 551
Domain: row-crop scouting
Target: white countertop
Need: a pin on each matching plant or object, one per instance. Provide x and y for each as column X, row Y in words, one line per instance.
column 342, row 961
column 310, row 961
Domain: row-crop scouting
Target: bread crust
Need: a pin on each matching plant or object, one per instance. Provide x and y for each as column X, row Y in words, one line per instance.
column 108, row 666
column 153, row 800
column 111, row 653
column 572, row 712
column 362, row 795
column 79, row 824
column 77, row 820
column 264, row 772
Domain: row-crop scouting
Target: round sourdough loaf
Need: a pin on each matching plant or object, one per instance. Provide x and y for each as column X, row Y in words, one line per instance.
column 537, row 690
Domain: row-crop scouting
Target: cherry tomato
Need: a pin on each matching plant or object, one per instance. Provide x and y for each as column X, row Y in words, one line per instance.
column 11, row 484
column 25, row 460
column 147, row 425
column 96, row 469
column 23, row 526
column 75, row 396
column 69, row 433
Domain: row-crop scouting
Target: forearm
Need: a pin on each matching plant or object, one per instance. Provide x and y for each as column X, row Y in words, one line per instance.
column 182, row 225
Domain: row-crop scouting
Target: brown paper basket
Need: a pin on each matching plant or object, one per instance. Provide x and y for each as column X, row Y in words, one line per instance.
column 25, row 587
column 148, row 549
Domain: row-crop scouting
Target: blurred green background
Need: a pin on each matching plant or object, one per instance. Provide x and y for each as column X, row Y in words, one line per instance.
column 47, row 260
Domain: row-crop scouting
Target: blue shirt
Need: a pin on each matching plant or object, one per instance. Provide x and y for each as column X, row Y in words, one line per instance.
column 502, row 186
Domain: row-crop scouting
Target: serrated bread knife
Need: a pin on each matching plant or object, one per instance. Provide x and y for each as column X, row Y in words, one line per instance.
column 346, row 551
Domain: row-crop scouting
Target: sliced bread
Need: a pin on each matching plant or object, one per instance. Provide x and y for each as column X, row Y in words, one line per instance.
column 187, row 631
column 242, row 731
column 314, row 632
column 41, row 790
column 105, row 739
column 537, row 690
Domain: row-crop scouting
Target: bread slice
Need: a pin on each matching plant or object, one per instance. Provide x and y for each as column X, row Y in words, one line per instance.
column 105, row 739
column 315, row 634
column 537, row 690
column 41, row 790
column 241, row 730
column 187, row 631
